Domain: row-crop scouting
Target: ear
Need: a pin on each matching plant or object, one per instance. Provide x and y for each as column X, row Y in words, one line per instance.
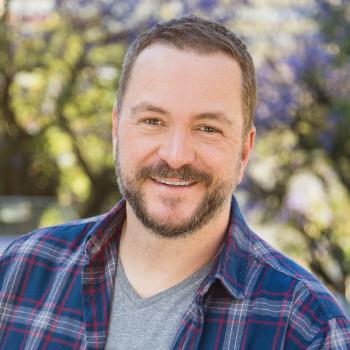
column 246, row 151
column 114, row 128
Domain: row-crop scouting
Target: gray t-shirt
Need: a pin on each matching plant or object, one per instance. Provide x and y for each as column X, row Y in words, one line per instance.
column 149, row 323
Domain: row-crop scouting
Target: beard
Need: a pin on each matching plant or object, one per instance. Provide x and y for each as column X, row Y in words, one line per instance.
column 216, row 194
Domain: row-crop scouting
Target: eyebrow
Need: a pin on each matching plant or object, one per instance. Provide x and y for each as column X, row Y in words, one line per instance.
column 148, row 107
column 219, row 116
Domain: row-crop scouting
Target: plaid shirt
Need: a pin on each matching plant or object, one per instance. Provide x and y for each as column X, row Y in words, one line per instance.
column 56, row 286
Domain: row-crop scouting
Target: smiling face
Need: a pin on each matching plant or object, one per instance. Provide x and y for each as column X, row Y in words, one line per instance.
column 178, row 138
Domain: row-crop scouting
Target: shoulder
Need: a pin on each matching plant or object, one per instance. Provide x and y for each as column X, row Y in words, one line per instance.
column 282, row 273
column 49, row 245
column 42, row 262
column 311, row 306
column 313, row 313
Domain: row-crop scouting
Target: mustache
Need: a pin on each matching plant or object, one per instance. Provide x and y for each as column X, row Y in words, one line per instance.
column 184, row 173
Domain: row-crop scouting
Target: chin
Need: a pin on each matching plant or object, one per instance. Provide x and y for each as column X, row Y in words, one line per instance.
column 169, row 216
column 172, row 212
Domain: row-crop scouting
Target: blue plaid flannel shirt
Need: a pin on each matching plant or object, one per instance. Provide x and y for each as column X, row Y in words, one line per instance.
column 56, row 286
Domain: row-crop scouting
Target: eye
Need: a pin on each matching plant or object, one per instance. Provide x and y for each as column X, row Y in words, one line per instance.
column 209, row 129
column 152, row 122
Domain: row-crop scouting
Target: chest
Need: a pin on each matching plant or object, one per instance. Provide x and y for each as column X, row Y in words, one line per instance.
column 227, row 324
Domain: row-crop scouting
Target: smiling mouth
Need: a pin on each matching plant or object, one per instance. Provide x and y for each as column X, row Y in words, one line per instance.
column 173, row 182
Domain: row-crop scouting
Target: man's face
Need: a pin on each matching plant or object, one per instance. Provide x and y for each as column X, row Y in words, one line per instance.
column 178, row 139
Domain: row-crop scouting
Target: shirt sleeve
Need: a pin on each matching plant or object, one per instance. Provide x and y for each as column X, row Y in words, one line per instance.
column 334, row 336
column 316, row 322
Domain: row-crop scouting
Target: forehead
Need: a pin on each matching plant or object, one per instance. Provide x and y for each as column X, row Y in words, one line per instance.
column 185, row 77
column 160, row 56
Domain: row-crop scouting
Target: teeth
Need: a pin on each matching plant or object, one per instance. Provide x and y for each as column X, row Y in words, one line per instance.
column 173, row 183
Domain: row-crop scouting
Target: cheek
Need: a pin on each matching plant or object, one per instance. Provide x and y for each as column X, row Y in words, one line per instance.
column 222, row 160
column 133, row 151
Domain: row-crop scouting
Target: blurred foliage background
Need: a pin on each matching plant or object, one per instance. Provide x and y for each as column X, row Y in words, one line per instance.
column 59, row 67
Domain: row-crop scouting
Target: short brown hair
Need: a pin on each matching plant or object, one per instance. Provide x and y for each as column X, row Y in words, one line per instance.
column 202, row 36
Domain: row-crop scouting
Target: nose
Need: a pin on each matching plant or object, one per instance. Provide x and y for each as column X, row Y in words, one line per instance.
column 177, row 149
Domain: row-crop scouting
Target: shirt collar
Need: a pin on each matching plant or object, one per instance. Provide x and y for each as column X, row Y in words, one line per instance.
column 232, row 262
column 107, row 227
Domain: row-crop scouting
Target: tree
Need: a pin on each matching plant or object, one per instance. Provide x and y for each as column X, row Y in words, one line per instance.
column 58, row 77
column 304, row 150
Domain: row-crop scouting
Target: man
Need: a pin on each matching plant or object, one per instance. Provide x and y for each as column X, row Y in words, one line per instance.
column 173, row 265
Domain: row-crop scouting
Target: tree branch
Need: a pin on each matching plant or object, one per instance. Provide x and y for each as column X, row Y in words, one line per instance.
column 62, row 120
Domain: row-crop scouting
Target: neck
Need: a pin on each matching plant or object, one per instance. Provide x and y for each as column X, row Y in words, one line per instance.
column 153, row 263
